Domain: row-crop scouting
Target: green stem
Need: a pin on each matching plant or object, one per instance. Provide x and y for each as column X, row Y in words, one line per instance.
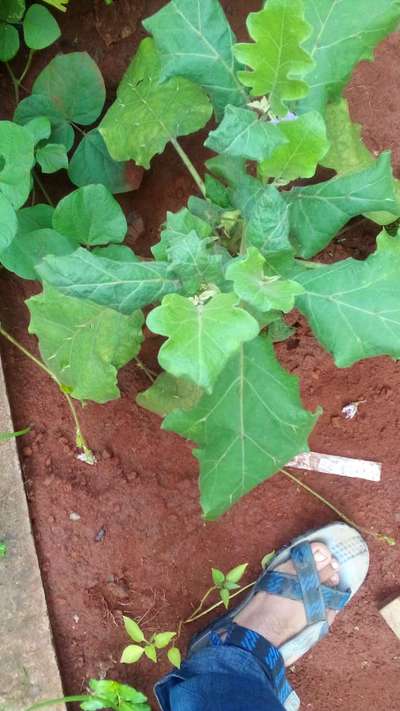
column 218, row 604
column 64, row 699
column 27, row 67
column 150, row 374
column 189, row 165
column 200, row 605
column 42, row 188
column 78, row 128
column 378, row 536
column 14, row 82
column 80, row 439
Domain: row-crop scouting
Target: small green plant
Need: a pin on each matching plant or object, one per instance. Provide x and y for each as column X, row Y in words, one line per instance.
column 160, row 640
column 3, row 549
column 240, row 256
column 103, row 694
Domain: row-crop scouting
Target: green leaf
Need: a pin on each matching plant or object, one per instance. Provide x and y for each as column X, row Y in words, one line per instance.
column 261, row 291
column 266, row 214
column 8, row 223
column 217, row 576
column 58, row 4
column 6, row 436
column 3, row 549
column 41, row 106
column 162, row 639
column 151, row 652
column 39, row 128
column 195, row 41
column 116, row 252
column 247, row 429
column 147, row 114
column 35, row 218
column 243, row 134
column 93, row 704
column 28, row 249
column 278, row 61
column 169, row 393
column 230, row 170
column 121, row 286
column 236, row 573
column 267, row 559
column 200, row 336
column 131, row 654
column 225, row 596
column 84, row 344
column 347, row 151
column 40, row 27
column 317, row 212
column 279, row 331
column 354, row 306
column 9, row 42
column 216, row 192
column 193, row 261
column 341, row 37
column 178, row 225
column 133, row 629
column 12, row 10
column 17, row 160
column 52, row 157
column 175, row 657
column 206, row 211
column 90, row 216
column 74, row 85
column 298, row 158
column 92, row 163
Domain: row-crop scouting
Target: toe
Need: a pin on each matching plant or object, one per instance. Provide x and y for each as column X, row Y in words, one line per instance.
column 329, row 575
column 322, row 555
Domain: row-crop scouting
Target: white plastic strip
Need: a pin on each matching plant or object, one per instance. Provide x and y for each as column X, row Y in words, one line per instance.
column 341, row 466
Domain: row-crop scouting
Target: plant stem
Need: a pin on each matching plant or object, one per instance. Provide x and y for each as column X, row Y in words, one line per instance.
column 200, row 606
column 80, row 439
column 63, row 699
column 150, row 374
column 42, row 188
column 192, row 618
column 78, row 128
column 378, row 536
column 27, row 67
column 14, row 82
column 189, row 165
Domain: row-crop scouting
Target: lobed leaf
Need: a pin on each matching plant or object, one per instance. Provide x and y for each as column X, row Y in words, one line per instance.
column 277, row 58
column 243, row 134
column 317, row 212
column 178, row 225
column 195, row 41
column 266, row 215
column 263, row 292
column 342, row 36
column 347, row 151
column 40, row 27
column 354, row 306
column 123, row 286
column 169, row 393
column 194, row 262
column 147, row 114
column 306, row 145
column 90, row 216
column 201, row 336
column 252, row 424
column 84, row 344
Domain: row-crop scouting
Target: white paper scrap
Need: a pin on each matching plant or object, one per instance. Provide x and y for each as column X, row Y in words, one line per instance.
column 341, row 466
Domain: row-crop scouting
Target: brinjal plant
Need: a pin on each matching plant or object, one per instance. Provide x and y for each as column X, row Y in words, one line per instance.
column 241, row 254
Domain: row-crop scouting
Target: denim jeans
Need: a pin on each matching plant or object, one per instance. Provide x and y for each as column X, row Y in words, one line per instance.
column 223, row 678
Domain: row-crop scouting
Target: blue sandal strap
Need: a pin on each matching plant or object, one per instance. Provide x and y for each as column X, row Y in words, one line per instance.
column 288, row 586
column 269, row 656
column 308, row 577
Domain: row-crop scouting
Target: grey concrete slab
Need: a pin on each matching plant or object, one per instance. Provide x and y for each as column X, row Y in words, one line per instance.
column 28, row 665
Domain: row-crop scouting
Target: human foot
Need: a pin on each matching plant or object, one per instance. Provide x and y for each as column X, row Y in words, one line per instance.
column 277, row 618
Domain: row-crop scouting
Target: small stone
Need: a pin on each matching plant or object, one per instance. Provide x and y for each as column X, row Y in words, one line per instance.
column 48, row 462
column 27, row 451
column 106, row 454
column 76, row 619
column 74, row 516
column 100, row 535
column 48, row 480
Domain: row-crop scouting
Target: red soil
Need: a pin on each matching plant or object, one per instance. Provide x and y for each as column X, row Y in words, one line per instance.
column 156, row 554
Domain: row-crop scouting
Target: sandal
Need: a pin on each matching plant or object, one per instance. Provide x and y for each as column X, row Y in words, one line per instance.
column 351, row 552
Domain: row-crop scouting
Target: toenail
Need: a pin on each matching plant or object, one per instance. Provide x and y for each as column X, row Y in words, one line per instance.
column 319, row 557
column 335, row 565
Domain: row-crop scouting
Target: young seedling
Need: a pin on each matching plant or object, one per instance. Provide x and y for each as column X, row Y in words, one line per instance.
column 103, row 694
column 158, row 641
